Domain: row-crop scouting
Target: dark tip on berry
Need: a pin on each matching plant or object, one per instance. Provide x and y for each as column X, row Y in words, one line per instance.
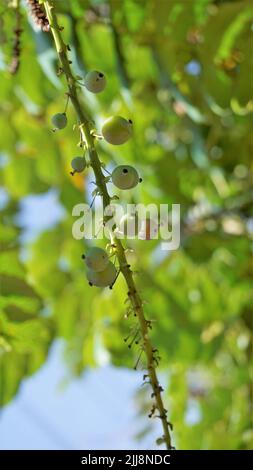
column 101, row 75
column 128, row 265
column 130, row 121
column 125, row 170
column 83, row 256
column 140, row 180
column 90, row 284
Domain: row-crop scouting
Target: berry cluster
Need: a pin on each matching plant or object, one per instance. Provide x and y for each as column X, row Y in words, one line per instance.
column 116, row 130
column 101, row 271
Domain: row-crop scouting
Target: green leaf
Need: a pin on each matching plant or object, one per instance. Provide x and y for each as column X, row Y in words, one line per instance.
column 10, row 265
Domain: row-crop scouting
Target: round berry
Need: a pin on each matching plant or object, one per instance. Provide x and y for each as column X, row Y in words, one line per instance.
column 125, row 177
column 116, row 130
column 96, row 259
column 59, row 120
column 78, row 165
column 129, row 225
column 102, row 278
column 95, row 81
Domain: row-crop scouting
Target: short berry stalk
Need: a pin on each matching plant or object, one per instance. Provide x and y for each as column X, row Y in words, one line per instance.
column 101, row 182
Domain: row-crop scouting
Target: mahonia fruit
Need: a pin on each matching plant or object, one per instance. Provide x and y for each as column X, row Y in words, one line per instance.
column 59, row 120
column 125, row 177
column 117, row 130
column 96, row 259
column 102, row 278
column 129, row 225
column 95, row 81
column 78, row 165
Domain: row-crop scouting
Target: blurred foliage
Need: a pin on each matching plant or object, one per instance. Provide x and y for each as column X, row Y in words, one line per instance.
column 182, row 70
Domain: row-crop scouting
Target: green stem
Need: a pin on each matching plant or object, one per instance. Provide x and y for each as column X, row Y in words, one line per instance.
column 133, row 294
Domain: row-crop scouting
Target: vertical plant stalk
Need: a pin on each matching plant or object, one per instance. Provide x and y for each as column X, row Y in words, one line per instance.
column 16, row 50
column 134, row 297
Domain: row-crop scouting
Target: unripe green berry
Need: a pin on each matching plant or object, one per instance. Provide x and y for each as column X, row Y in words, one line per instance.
column 102, row 278
column 78, row 164
column 116, row 130
column 95, row 81
column 129, row 225
column 96, row 259
column 125, row 177
column 59, row 120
